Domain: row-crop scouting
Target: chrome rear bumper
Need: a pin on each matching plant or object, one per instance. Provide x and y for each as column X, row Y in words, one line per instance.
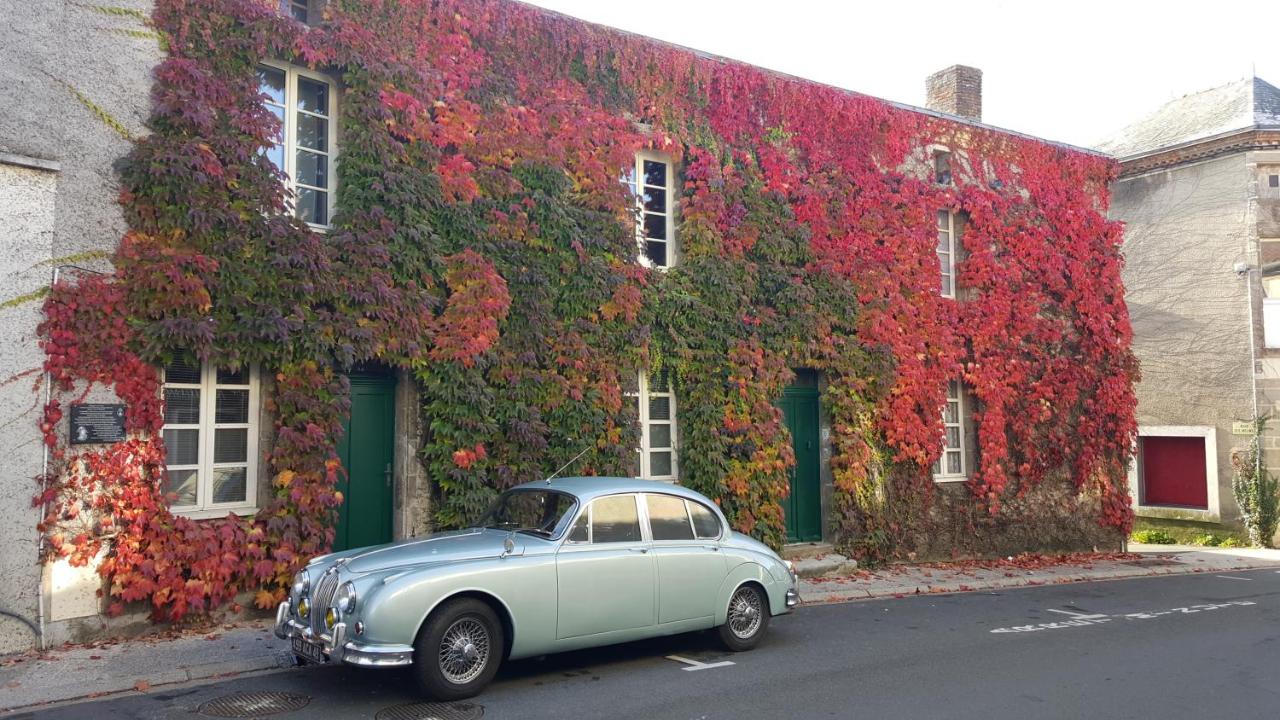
column 337, row 648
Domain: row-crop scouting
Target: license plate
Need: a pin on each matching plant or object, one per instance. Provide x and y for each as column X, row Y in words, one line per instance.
column 311, row 651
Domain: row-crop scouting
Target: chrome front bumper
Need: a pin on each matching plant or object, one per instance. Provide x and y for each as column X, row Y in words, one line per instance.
column 337, row 648
column 793, row 598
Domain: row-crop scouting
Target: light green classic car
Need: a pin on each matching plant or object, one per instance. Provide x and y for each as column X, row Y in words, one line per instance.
column 554, row 565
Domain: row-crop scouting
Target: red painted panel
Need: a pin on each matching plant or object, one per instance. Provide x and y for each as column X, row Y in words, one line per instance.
column 1173, row 472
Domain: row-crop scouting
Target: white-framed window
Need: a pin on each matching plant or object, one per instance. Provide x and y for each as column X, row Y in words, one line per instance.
column 942, row 167
column 299, row 10
column 211, row 438
column 952, row 464
column 1174, row 472
column 656, row 456
column 651, row 182
column 306, row 104
column 947, row 252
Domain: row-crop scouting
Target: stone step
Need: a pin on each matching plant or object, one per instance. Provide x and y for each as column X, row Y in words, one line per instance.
column 799, row 551
column 830, row 564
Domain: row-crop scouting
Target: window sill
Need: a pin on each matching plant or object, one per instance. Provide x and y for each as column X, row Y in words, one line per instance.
column 950, row 478
column 215, row 513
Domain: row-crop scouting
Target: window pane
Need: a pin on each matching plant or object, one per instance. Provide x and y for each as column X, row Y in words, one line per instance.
column 182, row 483
column 655, row 200
column 313, row 96
column 655, row 173
column 660, row 382
column 181, row 406
column 312, row 169
column 953, row 437
column 232, row 407
column 656, row 251
column 275, row 154
column 298, row 8
column 952, row 413
column 183, row 372
column 313, row 132
column 313, row 206
column 229, row 485
column 659, row 407
column 944, row 244
column 227, row 376
column 946, row 284
column 182, row 447
column 230, row 445
column 271, row 84
column 655, row 226
column 635, row 465
column 578, row 533
column 660, row 464
column 953, row 462
column 705, row 523
column 614, row 519
column 660, row 435
column 668, row 519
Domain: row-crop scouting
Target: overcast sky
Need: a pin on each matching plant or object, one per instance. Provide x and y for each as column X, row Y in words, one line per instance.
column 1069, row 71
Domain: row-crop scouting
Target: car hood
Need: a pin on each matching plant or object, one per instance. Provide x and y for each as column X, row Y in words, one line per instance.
column 452, row 546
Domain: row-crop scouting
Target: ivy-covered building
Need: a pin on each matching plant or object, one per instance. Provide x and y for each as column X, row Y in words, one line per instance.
column 352, row 268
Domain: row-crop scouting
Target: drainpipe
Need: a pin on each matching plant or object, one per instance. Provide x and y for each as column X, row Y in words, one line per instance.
column 1253, row 366
column 44, row 472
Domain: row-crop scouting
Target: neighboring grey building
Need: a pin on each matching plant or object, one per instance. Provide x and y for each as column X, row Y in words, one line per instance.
column 90, row 67
column 1199, row 193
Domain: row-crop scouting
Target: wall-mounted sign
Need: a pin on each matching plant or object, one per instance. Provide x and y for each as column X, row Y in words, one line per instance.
column 96, row 423
column 1242, row 428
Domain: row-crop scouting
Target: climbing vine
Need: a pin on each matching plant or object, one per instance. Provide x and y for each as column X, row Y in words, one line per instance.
column 484, row 243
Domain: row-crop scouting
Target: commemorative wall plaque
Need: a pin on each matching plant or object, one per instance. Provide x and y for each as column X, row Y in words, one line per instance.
column 96, row 423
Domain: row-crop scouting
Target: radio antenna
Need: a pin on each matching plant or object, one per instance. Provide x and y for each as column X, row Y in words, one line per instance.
column 571, row 461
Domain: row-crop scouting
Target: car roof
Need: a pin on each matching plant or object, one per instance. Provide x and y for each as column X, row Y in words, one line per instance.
column 588, row 488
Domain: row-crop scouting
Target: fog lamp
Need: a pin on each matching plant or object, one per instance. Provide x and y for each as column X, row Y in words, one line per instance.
column 330, row 618
column 304, row 608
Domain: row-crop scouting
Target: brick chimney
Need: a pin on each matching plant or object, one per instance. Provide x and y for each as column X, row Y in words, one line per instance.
column 955, row 91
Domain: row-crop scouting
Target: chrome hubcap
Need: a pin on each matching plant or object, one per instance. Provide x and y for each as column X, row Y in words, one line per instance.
column 744, row 613
column 464, row 651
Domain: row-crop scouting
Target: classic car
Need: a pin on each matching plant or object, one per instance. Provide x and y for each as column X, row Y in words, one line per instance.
column 554, row 565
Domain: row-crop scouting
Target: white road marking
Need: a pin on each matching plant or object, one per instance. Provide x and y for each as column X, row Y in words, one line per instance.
column 1232, row 577
column 1081, row 620
column 1078, row 616
column 695, row 665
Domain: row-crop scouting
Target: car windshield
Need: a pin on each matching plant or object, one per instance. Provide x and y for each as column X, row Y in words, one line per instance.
column 536, row 512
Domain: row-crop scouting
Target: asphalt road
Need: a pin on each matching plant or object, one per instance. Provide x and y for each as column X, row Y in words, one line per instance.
column 1192, row 646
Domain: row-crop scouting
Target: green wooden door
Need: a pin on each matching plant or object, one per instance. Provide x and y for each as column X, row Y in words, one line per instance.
column 803, row 506
column 366, row 452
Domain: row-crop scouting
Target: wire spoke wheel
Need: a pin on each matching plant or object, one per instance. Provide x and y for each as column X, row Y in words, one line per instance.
column 745, row 611
column 464, row 650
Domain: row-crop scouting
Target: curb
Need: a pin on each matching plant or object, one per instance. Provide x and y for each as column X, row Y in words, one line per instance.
column 854, row 594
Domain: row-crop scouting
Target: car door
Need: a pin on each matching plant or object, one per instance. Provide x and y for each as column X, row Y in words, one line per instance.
column 605, row 575
column 690, row 565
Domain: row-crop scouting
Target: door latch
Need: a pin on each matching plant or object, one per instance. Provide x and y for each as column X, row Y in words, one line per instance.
column 386, row 474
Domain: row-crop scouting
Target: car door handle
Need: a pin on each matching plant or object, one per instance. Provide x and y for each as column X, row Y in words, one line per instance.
column 713, row 548
column 639, row 549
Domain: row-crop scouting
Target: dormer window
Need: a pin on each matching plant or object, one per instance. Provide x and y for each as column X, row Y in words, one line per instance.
column 942, row 167
column 651, row 180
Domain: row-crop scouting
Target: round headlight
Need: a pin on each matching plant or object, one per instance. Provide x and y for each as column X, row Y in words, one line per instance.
column 304, row 607
column 330, row 618
column 345, row 600
column 301, row 583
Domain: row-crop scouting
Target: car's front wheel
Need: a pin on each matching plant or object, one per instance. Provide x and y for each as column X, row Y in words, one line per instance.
column 458, row 650
column 747, row 619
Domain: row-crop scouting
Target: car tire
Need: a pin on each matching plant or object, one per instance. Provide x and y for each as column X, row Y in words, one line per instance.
column 747, row 618
column 458, row 650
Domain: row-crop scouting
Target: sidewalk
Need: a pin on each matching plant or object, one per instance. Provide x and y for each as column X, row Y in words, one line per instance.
column 139, row 665
column 1025, row 571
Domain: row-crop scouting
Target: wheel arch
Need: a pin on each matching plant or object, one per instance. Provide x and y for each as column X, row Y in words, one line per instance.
column 495, row 603
column 746, row 573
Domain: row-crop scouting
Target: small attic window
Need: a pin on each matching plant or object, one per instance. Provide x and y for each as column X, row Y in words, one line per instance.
column 1274, row 181
column 942, row 167
column 299, row 10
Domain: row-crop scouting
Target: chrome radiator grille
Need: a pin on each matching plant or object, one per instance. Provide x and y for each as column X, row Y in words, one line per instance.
column 322, row 599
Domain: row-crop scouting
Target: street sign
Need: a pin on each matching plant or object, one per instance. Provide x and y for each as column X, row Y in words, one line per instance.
column 1242, row 428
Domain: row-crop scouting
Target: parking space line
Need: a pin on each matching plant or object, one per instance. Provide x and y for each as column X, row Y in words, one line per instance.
column 695, row 665
column 1232, row 577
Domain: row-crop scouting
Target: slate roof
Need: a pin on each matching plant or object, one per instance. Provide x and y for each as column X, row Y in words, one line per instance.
column 1241, row 105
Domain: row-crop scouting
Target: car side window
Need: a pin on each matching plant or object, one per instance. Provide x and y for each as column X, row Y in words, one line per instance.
column 668, row 520
column 614, row 519
column 579, row 531
column 705, row 524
